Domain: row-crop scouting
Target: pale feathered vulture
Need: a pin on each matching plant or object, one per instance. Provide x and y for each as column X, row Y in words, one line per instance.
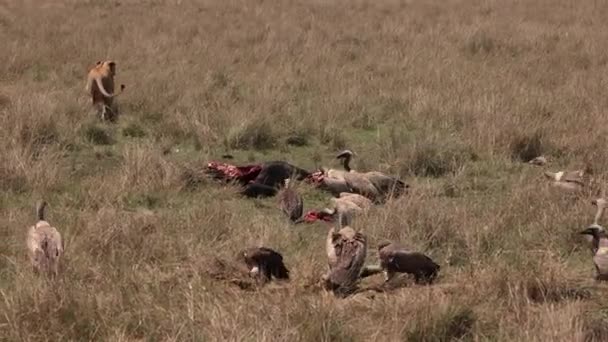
column 572, row 181
column 346, row 252
column 44, row 243
column 538, row 161
column 342, row 210
column 601, row 204
column 600, row 250
column 264, row 263
column 291, row 202
column 361, row 201
column 396, row 259
column 374, row 185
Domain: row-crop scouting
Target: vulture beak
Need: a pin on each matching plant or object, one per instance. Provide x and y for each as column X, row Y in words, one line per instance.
column 254, row 271
column 345, row 154
column 589, row 231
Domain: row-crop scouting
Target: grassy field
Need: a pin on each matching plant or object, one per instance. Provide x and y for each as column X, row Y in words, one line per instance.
column 450, row 95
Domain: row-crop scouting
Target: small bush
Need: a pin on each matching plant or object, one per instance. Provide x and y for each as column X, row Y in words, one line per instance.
column 527, row 147
column 298, row 139
column 42, row 133
column 192, row 177
column 596, row 328
column 480, row 43
column 152, row 117
column 98, row 136
column 540, row 291
column 133, row 130
column 430, row 160
column 258, row 134
column 333, row 138
column 454, row 324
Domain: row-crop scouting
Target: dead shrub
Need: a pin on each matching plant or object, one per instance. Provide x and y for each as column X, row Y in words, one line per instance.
column 258, row 134
column 145, row 169
column 525, row 147
column 540, row 291
column 455, row 323
column 436, row 160
column 98, row 135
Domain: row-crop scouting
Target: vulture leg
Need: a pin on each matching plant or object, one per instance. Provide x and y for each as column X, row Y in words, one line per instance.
column 370, row 270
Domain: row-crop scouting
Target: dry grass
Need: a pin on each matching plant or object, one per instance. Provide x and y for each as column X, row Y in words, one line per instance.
column 451, row 95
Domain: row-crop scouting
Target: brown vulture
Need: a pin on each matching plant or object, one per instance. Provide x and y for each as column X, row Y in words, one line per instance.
column 264, row 263
column 346, row 252
column 291, row 202
column 396, row 259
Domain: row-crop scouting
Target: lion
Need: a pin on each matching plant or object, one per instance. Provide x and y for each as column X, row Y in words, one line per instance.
column 100, row 85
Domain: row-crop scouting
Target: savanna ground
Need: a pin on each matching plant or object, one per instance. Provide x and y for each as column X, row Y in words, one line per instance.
column 450, row 95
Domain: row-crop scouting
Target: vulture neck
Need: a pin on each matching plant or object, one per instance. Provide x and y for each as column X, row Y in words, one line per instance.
column 599, row 214
column 40, row 211
column 346, row 163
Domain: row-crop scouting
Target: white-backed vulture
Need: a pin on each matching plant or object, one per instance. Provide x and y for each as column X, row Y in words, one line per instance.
column 291, row 202
column 344, row 209
column 538, row 161
column 600, row 250
column 567, row 181
column 346, row 252
column 396, row 259
column 44, row 244
column 264, row 263
column 375, row 185
column 338, row 181
column 601, row 204
column 361, row 201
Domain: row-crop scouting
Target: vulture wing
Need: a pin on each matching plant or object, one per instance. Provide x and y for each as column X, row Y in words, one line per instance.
column 350, row 261
column 291, row 204
column 271, row 261
column 418, row 264
column 359, row 184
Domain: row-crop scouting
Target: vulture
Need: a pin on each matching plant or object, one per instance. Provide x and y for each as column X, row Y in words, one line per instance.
column 396, row 259
column 382, row 185
column 44, row 243
column 567, row 181
column 343, row 209
column 291, row 202
column 361, row 201
column 264, row 263
column 346, row 252
column 538, row 161
column 601, row 204
column 258, row 180
column 600, row 250
column 338, row 181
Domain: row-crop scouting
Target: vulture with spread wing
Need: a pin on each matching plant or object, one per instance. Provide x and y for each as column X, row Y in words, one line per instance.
column 346, row 252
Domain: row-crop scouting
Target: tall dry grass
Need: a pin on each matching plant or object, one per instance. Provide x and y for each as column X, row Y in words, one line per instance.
column 450, row 95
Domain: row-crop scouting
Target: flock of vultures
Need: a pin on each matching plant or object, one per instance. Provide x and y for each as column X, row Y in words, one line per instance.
column 353, row 193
